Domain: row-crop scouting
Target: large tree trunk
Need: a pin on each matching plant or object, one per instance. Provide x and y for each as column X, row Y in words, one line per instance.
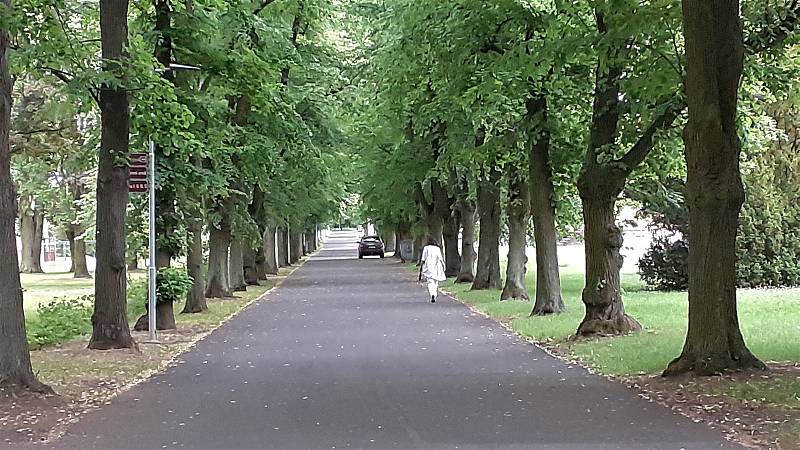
column 390, row 240
column 15, row 359
column 250, row 266
column 31, row 229
column 452, row 256
column 543, row 210
column 133, row 263
column 110, row 318
column 488, row 273
column 80, row 268
column 270, row 251
column 261, row 261
column 196, row 297
column 467, row 212
column 715, row 53
column 236, row 266
column 519, row 205
column 218, row 283
column 403, row 234
column 295, row 245
column 602, row 294
column 283, row 247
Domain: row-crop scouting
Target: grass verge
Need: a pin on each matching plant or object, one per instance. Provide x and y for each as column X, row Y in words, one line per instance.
column 86, row 379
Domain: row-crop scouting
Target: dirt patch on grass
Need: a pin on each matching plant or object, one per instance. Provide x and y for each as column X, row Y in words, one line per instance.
column 758, row 410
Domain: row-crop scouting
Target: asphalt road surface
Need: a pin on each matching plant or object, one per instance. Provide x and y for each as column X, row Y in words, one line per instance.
column 350, row 353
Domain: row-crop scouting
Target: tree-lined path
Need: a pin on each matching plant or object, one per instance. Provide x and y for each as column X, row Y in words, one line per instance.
column 348, row 353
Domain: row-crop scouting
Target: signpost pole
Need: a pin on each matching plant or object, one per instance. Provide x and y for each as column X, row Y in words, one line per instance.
column 151, row 267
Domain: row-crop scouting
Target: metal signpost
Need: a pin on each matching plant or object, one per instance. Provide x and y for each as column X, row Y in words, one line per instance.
column 140, row 180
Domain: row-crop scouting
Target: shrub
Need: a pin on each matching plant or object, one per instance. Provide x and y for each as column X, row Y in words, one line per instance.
column 60, row 321
column 172, row 284
column 137, row 298
column 665, row 266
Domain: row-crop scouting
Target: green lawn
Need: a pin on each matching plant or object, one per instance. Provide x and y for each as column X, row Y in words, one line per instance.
column 770, row 322
column 41, row 288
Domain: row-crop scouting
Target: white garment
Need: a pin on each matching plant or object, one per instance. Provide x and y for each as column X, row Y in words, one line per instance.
column 433, row 263
column 433, row 288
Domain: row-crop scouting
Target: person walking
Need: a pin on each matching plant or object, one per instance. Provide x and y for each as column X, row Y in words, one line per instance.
column 432, row 267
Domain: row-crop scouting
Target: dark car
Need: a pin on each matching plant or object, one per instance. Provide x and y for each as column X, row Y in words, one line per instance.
column 370, row 246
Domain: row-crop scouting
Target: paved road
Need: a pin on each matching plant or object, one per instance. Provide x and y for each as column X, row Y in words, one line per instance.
column 350, row 354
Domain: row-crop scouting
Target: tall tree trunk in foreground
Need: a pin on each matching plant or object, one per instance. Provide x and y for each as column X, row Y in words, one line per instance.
column 250, row 266
column 543, row 210
column 196, row 297
column 488, row 273
column 403, row 234
column 218, row 283
column 270, row 251
column 236, row 266
column 15, row 359
column 467, row 212
column 452, row 255
column 110, row 318
column 31, row 229
column 519, row 207
column 714, row 54
column 295, row 245
column 390, row 240
column 283, row 247
column 602, row 295
column 261, row 261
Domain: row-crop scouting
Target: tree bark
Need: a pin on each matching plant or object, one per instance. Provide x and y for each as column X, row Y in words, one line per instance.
column 80, row 268
column 488, row 273
column 518, row 211
column 31, row 229
column 15, row 360
column 467, row 212
column 403, row 233
column 110, row 318
column 452, row 256
column 133, row 264
column 715, row 54
column 295, row 245
column 390, row 241
column 261, row 261
column 250, row 267
column 543, row 210
column 270, row 252
column 196, row 297
column 218, row 284
column 419, row 243
column 283, row 247
column 236, row 266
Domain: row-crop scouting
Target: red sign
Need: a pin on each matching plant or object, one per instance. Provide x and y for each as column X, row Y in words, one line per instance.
column 137, row 180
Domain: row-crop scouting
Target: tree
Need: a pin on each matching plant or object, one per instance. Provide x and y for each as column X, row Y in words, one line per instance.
column 15, row 361
column 110, row 319
column 714, row 64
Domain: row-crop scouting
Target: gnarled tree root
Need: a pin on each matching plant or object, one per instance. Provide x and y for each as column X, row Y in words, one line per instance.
column 712, row 364
column 618, row 325
column 25, row 383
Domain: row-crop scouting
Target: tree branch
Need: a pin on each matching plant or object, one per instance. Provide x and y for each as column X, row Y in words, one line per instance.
column 644, row 145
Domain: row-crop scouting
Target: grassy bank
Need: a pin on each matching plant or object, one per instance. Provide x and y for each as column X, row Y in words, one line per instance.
column 762, row 410
column 770, row 322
